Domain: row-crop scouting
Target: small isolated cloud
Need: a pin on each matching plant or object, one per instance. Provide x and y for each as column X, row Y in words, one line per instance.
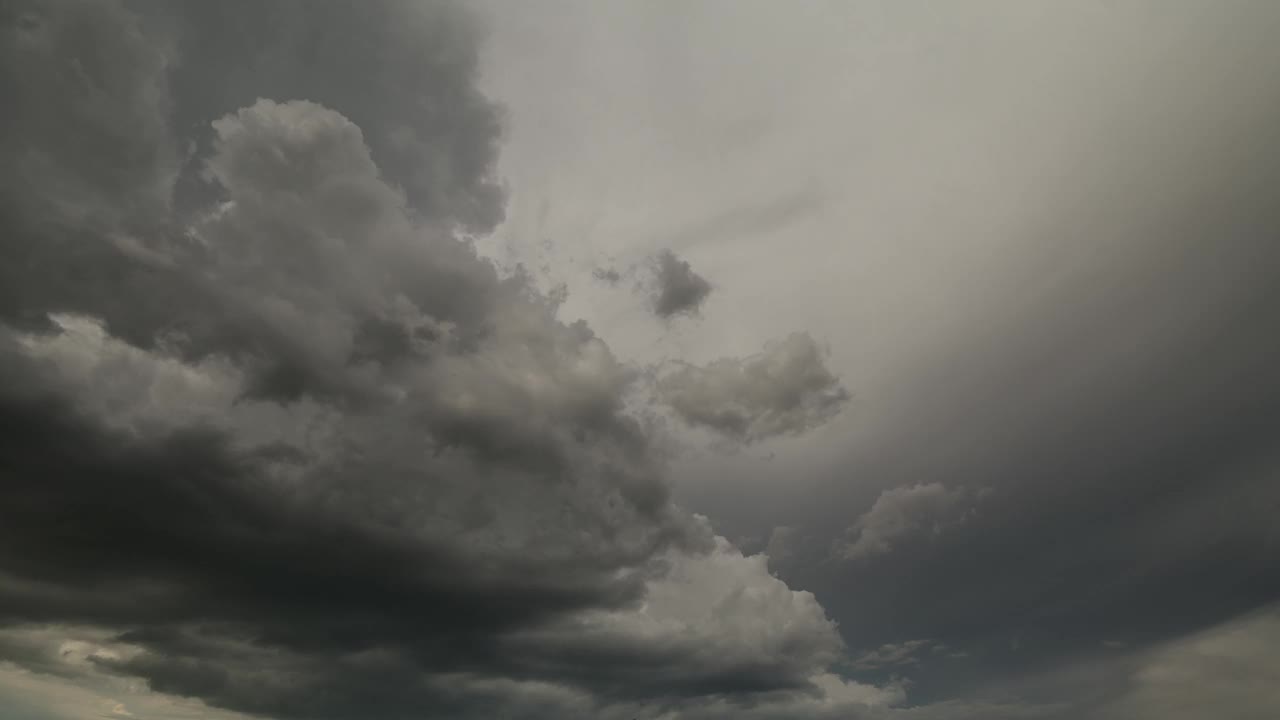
column 609, row 276
column 900, row 513
column 678, row 289
column 784, row 390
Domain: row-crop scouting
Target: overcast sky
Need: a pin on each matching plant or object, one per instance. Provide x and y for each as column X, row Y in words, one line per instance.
column 372, row 360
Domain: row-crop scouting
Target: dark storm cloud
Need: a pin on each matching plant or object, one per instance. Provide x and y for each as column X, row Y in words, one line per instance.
column 88, row 218
column 86, row 148
column 87, row 106
column 678, row 290
column 277, row 436
column 784, row 390
column 179, row 528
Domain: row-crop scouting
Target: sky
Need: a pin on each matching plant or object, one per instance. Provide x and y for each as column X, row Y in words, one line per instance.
column 380, row 360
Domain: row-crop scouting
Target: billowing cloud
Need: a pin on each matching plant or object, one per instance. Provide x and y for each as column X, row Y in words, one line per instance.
column 784, row 390
column 901, row 513
column 280, row 441
column 678, row 290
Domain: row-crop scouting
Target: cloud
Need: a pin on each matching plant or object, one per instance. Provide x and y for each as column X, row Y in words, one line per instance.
column 404, row 72
column 1227, row 671
column 87, row 141
column 893, row 655
column 278, row 440
column 609, row 276
column 901, row 513
column 51, row 673
column 784, row 390
column 713, row 624
column 678, row 289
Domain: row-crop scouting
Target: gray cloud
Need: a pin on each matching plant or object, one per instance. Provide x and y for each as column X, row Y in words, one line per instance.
column 609, row 276
column 403, row 72
column 86, row 141
column 112, row 250
column 278, row 439
column 900, row 513
column 87, row 151
column 327, row 461
column 1228, row 671
column 784, row 390
column 678, row 289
